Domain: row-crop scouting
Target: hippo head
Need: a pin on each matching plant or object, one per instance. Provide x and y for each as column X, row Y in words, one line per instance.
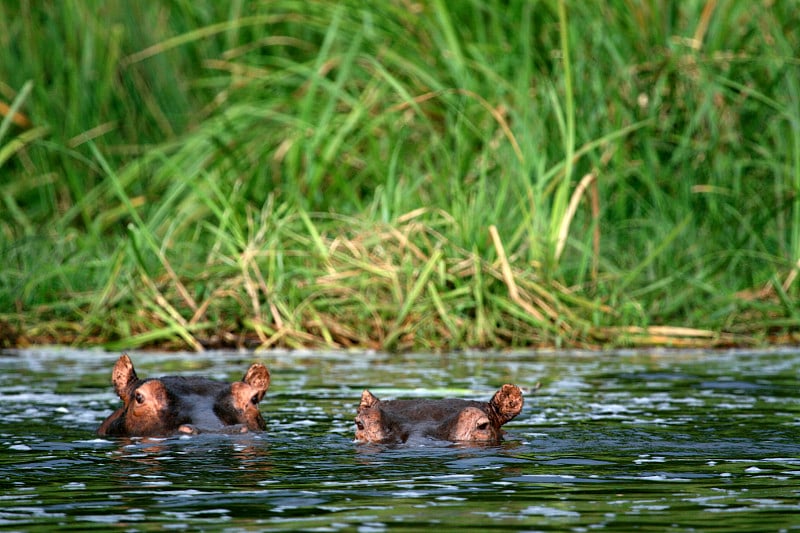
column 173, row 404
column 455, row 420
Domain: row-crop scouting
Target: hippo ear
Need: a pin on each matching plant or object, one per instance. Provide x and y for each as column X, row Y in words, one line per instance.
column 507, row 402
column 367, row 400
column 123, row 375
column 257, row 376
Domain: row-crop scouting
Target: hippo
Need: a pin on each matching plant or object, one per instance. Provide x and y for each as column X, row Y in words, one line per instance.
column 169, row 405
column 395, row 421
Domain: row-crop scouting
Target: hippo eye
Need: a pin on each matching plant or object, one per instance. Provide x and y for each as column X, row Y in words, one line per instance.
column 139, row 397
column 483, row 426
column 254, row 399
column 359, row 425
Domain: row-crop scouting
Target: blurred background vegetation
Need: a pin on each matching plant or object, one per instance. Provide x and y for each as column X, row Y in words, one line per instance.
column 399, row 175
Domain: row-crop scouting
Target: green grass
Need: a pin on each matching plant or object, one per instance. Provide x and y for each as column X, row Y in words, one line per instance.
column 403, row 175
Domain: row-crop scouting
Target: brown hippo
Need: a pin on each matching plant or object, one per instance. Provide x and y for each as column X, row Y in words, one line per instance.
column 456, row 420
column 174, row 404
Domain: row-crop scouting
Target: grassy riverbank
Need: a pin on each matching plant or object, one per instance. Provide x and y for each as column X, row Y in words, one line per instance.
column 409, row 175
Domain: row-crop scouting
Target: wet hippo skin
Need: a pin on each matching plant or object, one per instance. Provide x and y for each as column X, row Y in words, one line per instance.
column 175, row 404
column 394, row 421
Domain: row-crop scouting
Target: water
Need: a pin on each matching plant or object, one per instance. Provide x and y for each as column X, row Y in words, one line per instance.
column 662, row 441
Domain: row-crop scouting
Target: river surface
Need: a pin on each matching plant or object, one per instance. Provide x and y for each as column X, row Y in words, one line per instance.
column 660, row 441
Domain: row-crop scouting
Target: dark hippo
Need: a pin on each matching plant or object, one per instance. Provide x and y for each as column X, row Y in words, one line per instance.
column 174, row 404
column 395, row 421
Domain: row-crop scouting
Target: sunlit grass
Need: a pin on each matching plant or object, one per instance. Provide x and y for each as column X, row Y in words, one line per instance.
column 400, row 175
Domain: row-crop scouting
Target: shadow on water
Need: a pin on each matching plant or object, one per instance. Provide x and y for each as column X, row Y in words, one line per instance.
column 661, row 441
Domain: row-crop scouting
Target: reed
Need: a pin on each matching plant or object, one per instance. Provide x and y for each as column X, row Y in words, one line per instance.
column 402, row 175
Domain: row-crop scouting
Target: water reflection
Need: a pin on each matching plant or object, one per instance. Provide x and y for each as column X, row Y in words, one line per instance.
column 701, row 441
